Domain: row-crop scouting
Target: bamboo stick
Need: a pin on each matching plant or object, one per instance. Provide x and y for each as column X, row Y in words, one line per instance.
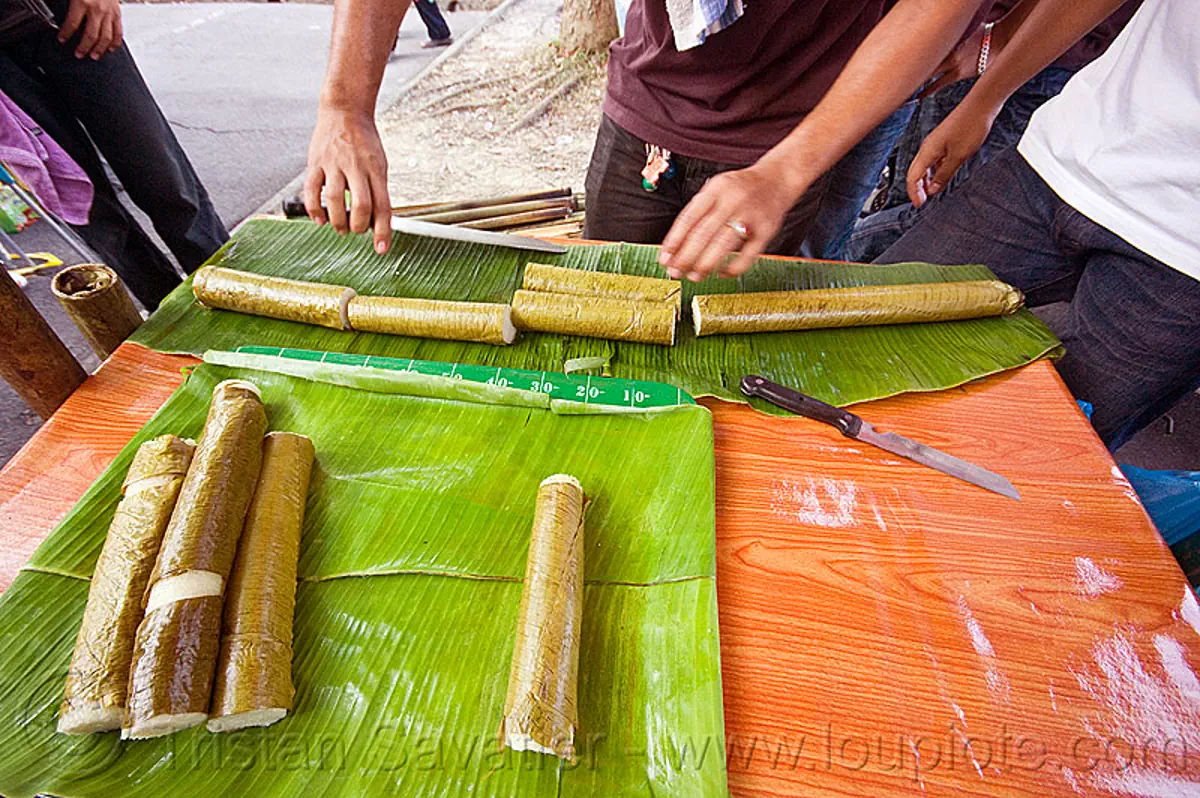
column 33, row 360
column 517, row 219
column 96, row 300
column 537, row 110
column 492, row 211
column 462, row 205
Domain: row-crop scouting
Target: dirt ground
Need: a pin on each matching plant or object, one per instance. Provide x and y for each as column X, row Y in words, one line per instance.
column 453, row 136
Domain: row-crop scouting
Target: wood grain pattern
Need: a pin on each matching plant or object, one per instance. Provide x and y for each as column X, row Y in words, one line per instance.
column 885, row 630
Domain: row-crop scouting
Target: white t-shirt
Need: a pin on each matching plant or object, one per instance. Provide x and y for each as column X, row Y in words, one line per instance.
column 1121, row 144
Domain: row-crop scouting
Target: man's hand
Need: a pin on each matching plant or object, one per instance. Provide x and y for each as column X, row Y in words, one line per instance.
column 945, row 149
column 101, row 25
column 705, row 233
column 346, row 153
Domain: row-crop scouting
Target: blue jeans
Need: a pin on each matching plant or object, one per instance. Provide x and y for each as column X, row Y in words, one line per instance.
column 1132, row 332
column 851, row 181
column 875, row 233
column 435, row 23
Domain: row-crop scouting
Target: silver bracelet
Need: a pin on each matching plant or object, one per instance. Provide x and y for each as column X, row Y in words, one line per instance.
column 985, row 47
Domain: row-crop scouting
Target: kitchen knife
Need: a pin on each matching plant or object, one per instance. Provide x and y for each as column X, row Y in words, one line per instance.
column 853, row 426
column 294, row 209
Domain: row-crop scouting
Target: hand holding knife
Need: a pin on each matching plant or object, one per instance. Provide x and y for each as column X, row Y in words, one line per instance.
column 853, row 426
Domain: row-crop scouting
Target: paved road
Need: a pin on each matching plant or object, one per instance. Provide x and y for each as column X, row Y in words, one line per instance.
column 239, row 82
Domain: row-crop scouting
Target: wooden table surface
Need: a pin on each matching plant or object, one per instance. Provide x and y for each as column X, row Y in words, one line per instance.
column 885, row 629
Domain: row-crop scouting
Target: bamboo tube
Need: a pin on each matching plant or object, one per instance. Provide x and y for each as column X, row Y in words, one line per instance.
column 254, row 668
column 596, row 317
column 96, row 300
column 777, row 311
column 482, row 322
column 33, row 360
column 462, row 205
column 274, row 297
column 174, row 659
column 564, row 204
column 96, row 693
column 518, row 219
column 540, row 709
column 200, row 541
column 557, row 280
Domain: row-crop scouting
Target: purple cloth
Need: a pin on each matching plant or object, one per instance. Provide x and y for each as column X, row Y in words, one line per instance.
column 56, row 180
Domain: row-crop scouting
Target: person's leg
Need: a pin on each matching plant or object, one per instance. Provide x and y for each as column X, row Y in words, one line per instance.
column 618, row 208
column 851, row 182
column 435, row 23
column 120, row 115
column 1132, row 333
column 872, row 236
column 1005, row 219
column 115, row 235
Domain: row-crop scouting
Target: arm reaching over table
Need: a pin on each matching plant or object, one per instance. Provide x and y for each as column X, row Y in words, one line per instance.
column 1048, row 29
column 746, row 208
column 345, row 152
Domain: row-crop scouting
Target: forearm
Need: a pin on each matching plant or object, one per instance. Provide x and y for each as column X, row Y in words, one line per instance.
column 1046, row 29
column 894, row 60
column 363, row 32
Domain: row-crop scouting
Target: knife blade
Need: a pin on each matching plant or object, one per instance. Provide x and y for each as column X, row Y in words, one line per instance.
column 855, row 427
column 413, row 227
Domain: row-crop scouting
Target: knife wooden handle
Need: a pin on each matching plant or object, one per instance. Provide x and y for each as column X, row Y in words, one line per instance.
column 843, row 420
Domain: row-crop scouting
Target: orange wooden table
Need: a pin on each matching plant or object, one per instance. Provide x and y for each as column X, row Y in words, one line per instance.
column 885, row 630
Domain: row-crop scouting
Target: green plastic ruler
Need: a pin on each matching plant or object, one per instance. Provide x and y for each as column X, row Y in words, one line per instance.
column 572, row 387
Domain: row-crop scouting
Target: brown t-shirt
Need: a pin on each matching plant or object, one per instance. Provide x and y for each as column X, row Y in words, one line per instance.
column 742, row 91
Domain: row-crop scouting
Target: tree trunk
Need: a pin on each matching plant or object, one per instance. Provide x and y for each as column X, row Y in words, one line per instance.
column 588, row 25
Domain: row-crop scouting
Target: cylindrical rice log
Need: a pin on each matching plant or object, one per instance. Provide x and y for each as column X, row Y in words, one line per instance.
column 864, row 306
column 96, row 300
column 201, row 539
column 95, row 698
column 482, row 322
column 540, row 708
column 274, row 297
column 595, row 317
column 33, row 360
column 254, row 668
column 174, row 659
column 582, row 282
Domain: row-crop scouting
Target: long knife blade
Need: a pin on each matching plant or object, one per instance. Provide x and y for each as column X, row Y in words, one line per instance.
column 855, row 427
column 451, row 233
column 929, row 456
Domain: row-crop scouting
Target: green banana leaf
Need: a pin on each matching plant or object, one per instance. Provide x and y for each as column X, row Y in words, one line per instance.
column 412, row 557
column 838, row 366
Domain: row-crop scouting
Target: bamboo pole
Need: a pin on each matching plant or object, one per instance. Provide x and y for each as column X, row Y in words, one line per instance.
column 96, row 300
column 492, row 211
column 33, row 360
column 462, row 205
column 518, row 219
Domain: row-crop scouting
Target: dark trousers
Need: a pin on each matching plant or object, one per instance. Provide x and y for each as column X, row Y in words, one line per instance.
column 875, row 233
column 431, row 15
column 1132, row 333
column 619, row 209
column 111, row 102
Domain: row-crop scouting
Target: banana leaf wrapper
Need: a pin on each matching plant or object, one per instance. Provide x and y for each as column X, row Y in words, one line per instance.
column 540, row 709
column 200, row 541
column 864, row 306
column 273, row 297
column 580, row 282
column 595, row 317
column 95, row 696
column 174, row 659
column 479, row 322
column 254, row 672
